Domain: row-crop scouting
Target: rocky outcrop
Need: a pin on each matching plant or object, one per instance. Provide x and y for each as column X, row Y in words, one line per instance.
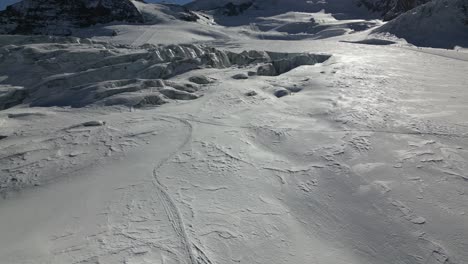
column 11, row 96
column 60, row 17
column 183, row 13
column 231, row 9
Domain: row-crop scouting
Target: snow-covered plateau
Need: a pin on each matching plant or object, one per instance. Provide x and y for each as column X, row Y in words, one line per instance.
column 266, row 136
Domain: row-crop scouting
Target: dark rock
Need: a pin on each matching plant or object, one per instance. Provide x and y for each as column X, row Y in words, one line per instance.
column 183, row 13
column 189, row 17
column 251, row 93
column 93, row 123
column 281, row 92
column 267, row 70
column 240, row 76
column 231, row 9
column 200, row 79
column 11, row 96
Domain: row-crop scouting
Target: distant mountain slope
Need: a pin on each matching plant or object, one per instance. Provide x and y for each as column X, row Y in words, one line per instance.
column 59, row 17
column 390, row 9
column 162, row 13
column 439, row 23
column 64, row 17
column 387, row 9
column 214, row 4
column 279, row 5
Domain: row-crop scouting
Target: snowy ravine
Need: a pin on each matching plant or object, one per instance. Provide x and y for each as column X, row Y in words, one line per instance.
column 344, row 150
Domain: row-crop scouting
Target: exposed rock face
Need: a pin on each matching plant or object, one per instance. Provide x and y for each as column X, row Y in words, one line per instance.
column 11, row 96
column 391, row 9
column 183, row 13
column 231, row 9
column 60, row 17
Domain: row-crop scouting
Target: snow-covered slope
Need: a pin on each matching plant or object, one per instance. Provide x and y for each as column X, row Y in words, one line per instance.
column 179, row 142
column 163, row 13
column 439, row 23
column 297, row 19
column 361, row 159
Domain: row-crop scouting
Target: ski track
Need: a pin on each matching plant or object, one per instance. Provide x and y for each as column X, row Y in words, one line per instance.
column 147, row 35
column 170, row 207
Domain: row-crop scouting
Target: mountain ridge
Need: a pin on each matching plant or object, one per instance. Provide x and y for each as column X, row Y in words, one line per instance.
column 385, row 9
column 59, row 17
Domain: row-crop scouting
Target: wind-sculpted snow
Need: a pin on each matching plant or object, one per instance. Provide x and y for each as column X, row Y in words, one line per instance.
column 85, row 73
